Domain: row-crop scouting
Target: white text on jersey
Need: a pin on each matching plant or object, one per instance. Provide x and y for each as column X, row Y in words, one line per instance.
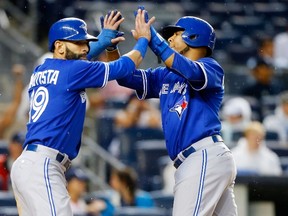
column 165, row 88
column 44, row 77
column 181, row 88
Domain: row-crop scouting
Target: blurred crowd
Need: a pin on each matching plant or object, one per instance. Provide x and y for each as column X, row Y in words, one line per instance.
column 254, row 126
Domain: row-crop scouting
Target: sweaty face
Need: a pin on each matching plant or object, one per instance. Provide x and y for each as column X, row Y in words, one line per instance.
column 176, row 42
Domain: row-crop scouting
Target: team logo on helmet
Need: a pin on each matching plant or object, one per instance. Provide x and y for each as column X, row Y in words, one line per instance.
column 180, row 107
column 73, row 32
column 84, row 27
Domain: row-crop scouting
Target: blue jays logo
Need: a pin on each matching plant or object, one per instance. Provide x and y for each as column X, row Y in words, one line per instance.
column 179, row 107
column 84, row 27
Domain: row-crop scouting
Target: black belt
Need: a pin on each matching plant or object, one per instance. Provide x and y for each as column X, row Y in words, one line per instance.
column 61, row 158
column 186, row 152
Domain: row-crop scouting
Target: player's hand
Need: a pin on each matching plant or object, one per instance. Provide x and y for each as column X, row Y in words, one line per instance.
column 146, row 13
column 112, row 21
column 142, row 25
column 157, row 44
column 109, row 36
column 96, row 206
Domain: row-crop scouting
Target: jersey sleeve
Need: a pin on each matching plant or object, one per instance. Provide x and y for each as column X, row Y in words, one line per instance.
column 86, row 74
column 201, row 74
column 147, row 83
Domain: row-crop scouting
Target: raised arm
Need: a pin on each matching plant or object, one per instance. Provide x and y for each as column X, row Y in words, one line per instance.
column 157, row 43
column 142, row 34
column 9, row 115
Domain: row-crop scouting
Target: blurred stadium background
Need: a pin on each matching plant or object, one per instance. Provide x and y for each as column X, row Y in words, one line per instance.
column 238, row 23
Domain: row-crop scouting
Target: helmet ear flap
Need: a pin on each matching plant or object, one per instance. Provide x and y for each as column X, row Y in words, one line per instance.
column 192, row 37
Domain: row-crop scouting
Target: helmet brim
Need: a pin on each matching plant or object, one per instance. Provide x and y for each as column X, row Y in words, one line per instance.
column 86, row 37
column 91, row 38
column 169, row 30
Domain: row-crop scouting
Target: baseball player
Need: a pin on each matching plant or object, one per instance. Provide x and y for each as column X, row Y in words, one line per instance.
column 57, row 110
column 191, row 89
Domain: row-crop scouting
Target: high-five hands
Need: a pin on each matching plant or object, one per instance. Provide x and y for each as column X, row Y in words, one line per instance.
column 142, row 25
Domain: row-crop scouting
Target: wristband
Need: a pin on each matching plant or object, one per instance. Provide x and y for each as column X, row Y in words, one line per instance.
column 104, row 40
column 111, row 48
column 141, row 46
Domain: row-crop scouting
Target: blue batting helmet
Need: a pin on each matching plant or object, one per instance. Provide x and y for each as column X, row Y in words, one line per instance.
column 70, row 29
column 197, row 32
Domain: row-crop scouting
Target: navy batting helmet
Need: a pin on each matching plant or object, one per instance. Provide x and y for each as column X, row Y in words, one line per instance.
column 197, row 32
column 70, row 29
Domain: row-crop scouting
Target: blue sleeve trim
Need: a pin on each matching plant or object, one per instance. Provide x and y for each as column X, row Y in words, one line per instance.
column 143, row 93
column 106, row 76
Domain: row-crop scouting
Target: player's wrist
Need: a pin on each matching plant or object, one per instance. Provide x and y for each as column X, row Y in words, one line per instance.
column 111, row 48
column 141, row 46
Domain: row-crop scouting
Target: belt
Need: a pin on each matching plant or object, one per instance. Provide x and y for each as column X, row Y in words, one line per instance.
column 51, row 153
column 194, row 147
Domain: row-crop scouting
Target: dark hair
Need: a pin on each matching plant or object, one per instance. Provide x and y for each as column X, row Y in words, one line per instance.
column 18, row 137
column 76, row 172
column 129, row 178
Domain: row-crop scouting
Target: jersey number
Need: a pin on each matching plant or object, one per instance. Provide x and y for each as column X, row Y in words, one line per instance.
column 38, row 103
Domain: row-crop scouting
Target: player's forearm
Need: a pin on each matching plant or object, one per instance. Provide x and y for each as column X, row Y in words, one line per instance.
column 135, row 56
column 169, row 61
column 139, row 51
column 104, row 40
column 112, row 55
column 109, row 36
column 161, row 48
column 126, row 65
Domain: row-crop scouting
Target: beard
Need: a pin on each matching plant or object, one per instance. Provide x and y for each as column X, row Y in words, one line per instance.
column 74, row 56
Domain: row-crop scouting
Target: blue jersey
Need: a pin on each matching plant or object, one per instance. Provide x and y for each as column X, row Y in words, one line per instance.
column 190, row 93
column 58, row 99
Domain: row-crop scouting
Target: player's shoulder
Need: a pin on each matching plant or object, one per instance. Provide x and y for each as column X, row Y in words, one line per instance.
column 158, row 70
column 208, row 60
column 70, row 61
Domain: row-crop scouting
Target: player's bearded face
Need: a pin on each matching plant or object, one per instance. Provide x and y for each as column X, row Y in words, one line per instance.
column 70, row 55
